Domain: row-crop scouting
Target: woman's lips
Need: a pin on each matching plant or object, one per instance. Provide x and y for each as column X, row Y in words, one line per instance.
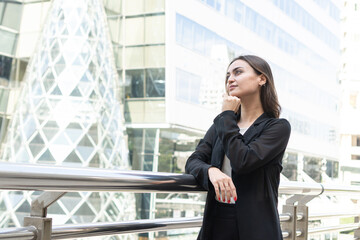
column 232, row 87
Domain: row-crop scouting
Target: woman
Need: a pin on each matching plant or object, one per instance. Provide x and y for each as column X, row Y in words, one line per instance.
column 239, row 160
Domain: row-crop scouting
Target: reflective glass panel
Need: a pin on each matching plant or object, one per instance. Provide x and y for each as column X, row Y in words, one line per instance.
column 134, row 57
column 135, row 147
column 154, row 56
column 2, row 5
column 7, row 42
column 118, row 56
column 115, row 28
column 113, row 7
column 187, row 86
column 290, row 162
column 12, row 15
column 155, row 29
column 136, row 87
column 134, row 7
column 4, row 95
column 312, row 166
column 155, row 82
column 154, row 6
column 134, row 28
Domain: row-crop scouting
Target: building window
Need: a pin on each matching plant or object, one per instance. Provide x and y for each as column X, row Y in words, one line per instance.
column 290, row 162
column 355, row 140
column 155, row 82
column 8, row 42
column 4, row 96
column 147, row 83
column 188, row 86
column 312, row 167
column 134, row 28
column 332, row 168
column 10, row 13
column 5, row 68
column 112, row 7
column 355, row 157
column 135, row 89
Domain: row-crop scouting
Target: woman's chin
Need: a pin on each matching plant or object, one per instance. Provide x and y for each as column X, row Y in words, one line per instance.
column 233, row 94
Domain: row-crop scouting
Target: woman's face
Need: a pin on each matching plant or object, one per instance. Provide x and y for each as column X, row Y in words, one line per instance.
column 242, row 80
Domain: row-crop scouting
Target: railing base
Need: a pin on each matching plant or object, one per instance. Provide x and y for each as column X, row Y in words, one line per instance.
column 43, row 225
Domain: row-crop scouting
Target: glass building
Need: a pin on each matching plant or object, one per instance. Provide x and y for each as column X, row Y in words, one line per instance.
column 171, row 58
column 68, row 115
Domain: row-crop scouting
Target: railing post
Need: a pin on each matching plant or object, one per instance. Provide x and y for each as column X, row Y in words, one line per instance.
column 43, row 226
column 289, row 226
column 357, row 234
column 290, row 209
column 38, row 214
column 302, row 224
column 357, row 231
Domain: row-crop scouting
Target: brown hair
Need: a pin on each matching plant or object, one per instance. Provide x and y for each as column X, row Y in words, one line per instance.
column 268, row 95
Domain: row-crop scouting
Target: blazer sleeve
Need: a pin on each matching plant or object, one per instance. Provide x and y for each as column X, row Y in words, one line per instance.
column 199, row 161
column 245, row 158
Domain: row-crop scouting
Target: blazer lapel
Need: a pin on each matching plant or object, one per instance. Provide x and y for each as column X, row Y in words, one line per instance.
column 254, row 129
column 252, row 132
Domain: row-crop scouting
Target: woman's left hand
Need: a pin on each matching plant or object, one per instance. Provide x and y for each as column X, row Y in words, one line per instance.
column 230, row 103
column 223, row 184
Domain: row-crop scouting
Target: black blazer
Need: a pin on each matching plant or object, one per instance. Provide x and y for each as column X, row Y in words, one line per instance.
column 255, row 158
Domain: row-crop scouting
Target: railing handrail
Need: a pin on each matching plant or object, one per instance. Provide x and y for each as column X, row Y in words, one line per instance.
column 135, row 226
column 340, row 227
column 16, row 176
column 103, row 228
column 21, row 233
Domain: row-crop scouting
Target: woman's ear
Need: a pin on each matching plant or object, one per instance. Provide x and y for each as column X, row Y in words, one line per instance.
column 262, row 80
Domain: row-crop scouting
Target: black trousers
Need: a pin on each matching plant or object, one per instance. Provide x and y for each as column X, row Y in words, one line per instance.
column 223, row 222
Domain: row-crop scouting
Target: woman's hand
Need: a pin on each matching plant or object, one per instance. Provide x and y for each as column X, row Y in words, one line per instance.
column 230, row 103
column 222, row 183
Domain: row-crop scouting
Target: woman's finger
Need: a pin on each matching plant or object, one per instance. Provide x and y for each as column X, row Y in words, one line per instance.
column 228, row 191
column 233, row 190
column 216, row 187
column 222, row 190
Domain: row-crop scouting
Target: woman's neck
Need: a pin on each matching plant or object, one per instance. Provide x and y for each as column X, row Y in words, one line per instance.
column 250, row 111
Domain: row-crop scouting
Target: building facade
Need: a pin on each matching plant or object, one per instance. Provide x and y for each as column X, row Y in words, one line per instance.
column 350, row 98
column 171, row 57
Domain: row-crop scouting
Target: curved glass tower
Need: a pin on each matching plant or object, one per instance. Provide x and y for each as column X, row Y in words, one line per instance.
column 68, row 114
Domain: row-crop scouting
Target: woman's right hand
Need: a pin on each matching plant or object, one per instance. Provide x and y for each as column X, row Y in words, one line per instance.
column 230, row 103
column 222, row 184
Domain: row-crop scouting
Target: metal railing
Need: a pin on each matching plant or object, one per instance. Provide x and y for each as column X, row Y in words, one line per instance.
column 55, row 181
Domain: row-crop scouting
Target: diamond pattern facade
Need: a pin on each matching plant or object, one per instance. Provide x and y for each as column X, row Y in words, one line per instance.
column 68, row 114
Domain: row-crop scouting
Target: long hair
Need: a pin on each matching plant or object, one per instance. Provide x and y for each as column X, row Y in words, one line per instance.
column 268, row 95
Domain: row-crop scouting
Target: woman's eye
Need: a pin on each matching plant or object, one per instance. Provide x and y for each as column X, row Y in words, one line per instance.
column 237, row 72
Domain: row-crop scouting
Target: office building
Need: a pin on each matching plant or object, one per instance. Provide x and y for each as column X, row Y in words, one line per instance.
column 171, row 58
column 350, row 98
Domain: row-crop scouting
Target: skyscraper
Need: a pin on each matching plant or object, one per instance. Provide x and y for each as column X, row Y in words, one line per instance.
column 68, row 114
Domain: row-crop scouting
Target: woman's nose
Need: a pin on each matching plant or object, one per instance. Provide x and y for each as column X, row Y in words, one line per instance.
column 231, row 79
